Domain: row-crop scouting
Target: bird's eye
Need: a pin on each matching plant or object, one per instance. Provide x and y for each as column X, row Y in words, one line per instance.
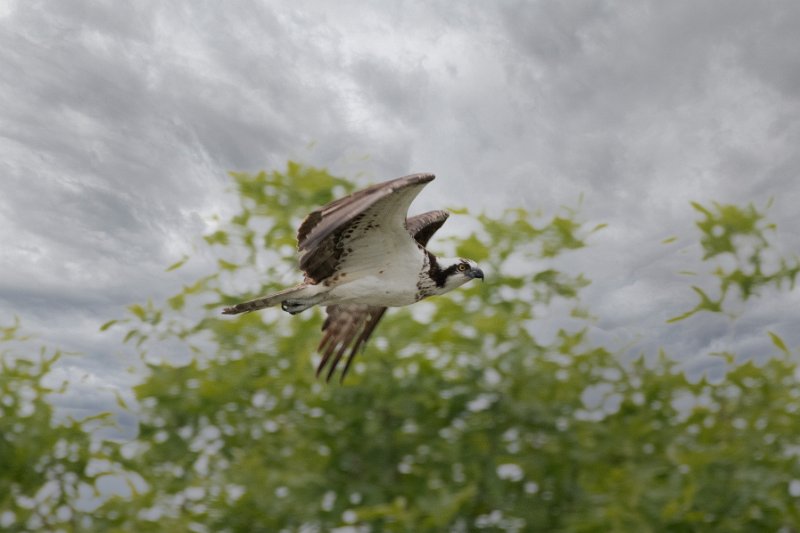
column 462, row 267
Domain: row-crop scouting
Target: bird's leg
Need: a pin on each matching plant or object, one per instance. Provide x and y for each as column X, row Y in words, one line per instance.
column 297, row 306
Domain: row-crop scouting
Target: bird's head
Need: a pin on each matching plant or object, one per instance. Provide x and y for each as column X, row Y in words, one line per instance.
column 458, row 271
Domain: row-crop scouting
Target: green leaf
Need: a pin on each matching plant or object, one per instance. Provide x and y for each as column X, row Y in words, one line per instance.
column 108, row 324
column 219, row 237
column 227, row 265
column 778, row 342
column 178, row 264
column 177, row 302
column 132, row 333
column 705, row 304
column 138, row 311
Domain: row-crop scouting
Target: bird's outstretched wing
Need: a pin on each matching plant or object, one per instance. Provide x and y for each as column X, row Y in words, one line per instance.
column 374, row 218
column 348, row 327
column 422, row 227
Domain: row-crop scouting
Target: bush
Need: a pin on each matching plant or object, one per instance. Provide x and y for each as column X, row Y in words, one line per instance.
column 456, row 418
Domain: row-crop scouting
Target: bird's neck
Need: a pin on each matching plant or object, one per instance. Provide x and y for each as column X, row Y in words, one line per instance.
column 439, row 269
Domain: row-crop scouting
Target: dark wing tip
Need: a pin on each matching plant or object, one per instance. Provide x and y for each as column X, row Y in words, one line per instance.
column 405, row 181
column 402, row 182
column 421, row 177
column 422, row 227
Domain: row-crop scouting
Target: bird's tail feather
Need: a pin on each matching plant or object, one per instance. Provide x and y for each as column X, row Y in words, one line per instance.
column 264, row 301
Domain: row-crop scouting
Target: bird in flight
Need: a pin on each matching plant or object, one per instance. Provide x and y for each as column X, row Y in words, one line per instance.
column 362, row 254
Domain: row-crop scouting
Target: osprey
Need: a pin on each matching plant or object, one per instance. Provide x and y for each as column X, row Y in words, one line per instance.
column 360, row 255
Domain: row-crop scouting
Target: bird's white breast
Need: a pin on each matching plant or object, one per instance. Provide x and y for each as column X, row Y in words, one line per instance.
column 389, row 282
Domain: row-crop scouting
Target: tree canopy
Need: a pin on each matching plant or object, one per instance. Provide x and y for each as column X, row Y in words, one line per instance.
column 456, row 417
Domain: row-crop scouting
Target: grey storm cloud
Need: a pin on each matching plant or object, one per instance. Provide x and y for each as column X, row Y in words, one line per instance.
column 120, row 121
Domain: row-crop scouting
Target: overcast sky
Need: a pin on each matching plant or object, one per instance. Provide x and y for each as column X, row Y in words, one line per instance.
column 119, row 122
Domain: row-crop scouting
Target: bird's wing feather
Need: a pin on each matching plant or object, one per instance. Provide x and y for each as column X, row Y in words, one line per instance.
column 422, row 227
column 349, row 326
column 375, row 217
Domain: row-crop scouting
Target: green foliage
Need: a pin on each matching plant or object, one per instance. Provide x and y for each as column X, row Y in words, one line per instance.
column 737, row 237
column 45, row 466
column 456, row 418
column 259, row 444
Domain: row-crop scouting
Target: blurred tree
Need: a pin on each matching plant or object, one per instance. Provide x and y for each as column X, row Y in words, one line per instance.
column 46, row 466
column 456, row 418
column 737, row 239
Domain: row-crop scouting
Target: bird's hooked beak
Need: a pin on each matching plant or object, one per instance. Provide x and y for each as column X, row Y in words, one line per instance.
column 476, row 273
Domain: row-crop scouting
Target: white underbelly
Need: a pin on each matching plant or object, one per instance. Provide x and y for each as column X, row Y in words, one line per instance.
column 380, row 275
column 375, row 290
